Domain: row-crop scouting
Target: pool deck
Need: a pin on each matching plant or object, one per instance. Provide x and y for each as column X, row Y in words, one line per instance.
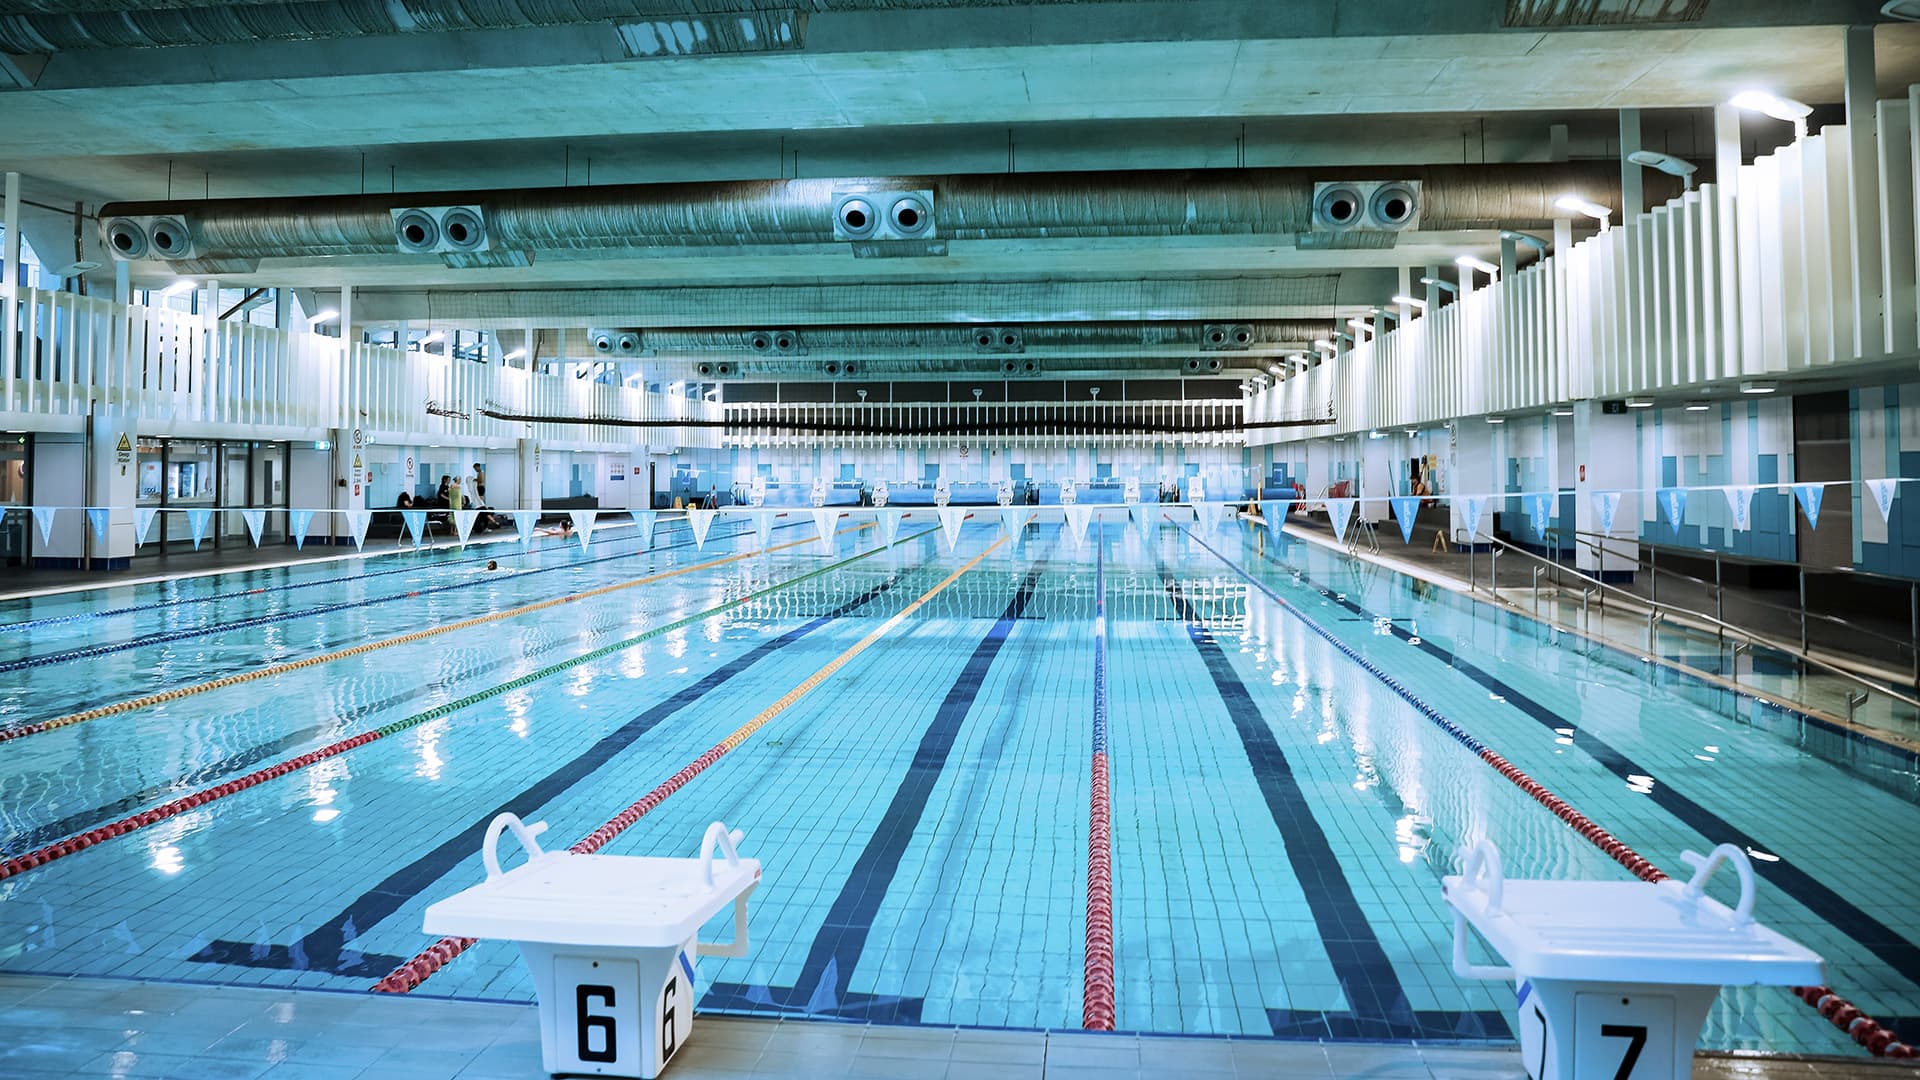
column 82, row 1027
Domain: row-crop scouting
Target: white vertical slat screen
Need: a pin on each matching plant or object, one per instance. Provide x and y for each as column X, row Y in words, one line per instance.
column 1711, row 288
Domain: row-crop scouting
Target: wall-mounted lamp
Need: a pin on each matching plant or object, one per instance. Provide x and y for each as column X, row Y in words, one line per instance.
column 1387, row 312
column 1411, row 301
column 1360, row 325
column 516, row 354
column 1474, row 262
column 1527, row 238
column 1793, row 112
column 176, row 288
column 326, row 316
column 1666, row 163
column 1442, row 284
column 1323, row 345
column 1574, row 204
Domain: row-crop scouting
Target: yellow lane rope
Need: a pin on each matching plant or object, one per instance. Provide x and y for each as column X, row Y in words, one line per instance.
column 418, row 635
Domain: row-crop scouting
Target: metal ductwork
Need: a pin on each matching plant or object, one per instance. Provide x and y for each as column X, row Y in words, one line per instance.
column 847, row 342
column 900, row 369
column 972, row 207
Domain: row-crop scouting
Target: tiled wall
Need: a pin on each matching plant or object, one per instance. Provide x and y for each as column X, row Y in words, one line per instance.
column 1732, row 442
column 1886, row 442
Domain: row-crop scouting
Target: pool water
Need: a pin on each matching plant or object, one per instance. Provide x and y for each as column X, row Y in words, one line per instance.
column 1281, row 817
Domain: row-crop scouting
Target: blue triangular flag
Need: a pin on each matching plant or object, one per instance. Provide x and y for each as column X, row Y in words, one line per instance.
column 1540, row 507
column 1405, row 508
column 1674, row 501
column 43, row 517
column 1740, row 504
column 143, row 521
column 416, row 524
column 1471, row 507
column 1276, row 513
column 583, row 521
column 643, row 521
column 1014, row 519
column 297, row 522
column 523, row 521
column 763, row 527
column 890, row 525
column 197, row 523
column 1883, row 493
column 1340, row 512
column 950, row 519
column 98, row 516
column 1809, row 496
column 1077, row 518
column 256, row 520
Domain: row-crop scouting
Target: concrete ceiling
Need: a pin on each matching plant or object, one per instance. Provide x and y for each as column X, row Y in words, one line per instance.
column 898, row 87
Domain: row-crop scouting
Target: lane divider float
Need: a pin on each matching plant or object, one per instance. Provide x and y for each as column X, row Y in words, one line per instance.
column 1097, row 1008
column 82, row 841
column 22, row 730
column 1869, row 1033
column 422, row 966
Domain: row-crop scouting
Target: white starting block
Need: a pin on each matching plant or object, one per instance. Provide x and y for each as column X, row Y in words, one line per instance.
column 1615, row 978
column 609, row 940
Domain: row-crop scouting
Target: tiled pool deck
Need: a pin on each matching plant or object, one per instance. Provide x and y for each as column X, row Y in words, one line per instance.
column 77, row 1027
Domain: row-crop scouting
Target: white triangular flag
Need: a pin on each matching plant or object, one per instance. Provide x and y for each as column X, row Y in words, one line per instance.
column 1014, row 520
column 824, row 523
column 1340, row 513
column 1740, row 502
column 1607, row 505
column 256, row 520
column 197, row 522
column 643, row 521
column 357, row 522
column 523, row 522
column 700, row 521
column 1077, row 518
column 1143, row 517
column 1207, row 516
column 416, row 521
column 297, row 522
column 763, row 527
column 1883, row 492
column 583, row 524
column 890, row 525
column 43, row 517
column 1471, row 507
column 463, row 523
column 143, row 522
column 98, row 516
column 950, row 518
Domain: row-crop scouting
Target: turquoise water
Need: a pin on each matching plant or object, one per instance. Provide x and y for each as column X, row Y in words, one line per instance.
column 1281, row 817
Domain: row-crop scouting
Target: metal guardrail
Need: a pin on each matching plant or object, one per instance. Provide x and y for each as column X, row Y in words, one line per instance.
column 1656, row 613
column 1596, row 543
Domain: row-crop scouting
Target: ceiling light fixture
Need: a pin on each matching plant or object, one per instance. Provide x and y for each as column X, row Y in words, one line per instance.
column 516, row 354
column 1639, row 403
column 324, row 317
column 1410, row 301
column 177, row 288
column 1666, row 163
column 1496, row 419
column 1697, row 406
column 431, row 338
column 1759, row 386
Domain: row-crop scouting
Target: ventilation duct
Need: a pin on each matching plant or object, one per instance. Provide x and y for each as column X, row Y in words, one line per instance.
column 976, row 207
column 1172, row 337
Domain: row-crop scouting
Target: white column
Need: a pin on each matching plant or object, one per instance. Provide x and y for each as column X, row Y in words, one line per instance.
column 1406, row 289
column 1509, row 257
column 122, row 283
column 282, row 307
column 1606, row 454
column 1726, row 183
column 1633, row 198
column 114, row 480
column 1870, row 337
column 1726, row 149
column 347, row 337
column 9, row 298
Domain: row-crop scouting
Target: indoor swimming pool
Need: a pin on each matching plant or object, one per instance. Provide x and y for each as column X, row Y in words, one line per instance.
column 325, row 743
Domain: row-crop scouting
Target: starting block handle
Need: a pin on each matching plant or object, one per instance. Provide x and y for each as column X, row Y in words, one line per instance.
column 1705, row 865
column 490, row 850
column 718, row 834
column 1480, row 870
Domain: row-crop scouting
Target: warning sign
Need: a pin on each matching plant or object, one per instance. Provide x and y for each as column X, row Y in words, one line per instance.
column 124, row 451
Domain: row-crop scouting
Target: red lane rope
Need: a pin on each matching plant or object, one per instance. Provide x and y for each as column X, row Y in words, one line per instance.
column 1097, row 1009
column 1862, row 1028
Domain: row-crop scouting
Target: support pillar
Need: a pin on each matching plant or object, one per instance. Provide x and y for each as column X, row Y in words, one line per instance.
column 347, row 336
column 122, row 283
column 1606, row 452
column 112, row 461
column 349, row 479
column 1633, row 198
column 282, row 308
column 9, row 287
column 528, row 452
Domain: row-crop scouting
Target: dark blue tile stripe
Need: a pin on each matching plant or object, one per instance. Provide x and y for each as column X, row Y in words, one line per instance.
column 821, row 988
column 331, row 946
column 1880, row 940
column 1378, row 1006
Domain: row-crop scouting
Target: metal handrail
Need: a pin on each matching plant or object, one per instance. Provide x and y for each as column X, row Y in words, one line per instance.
column 1728, row 556
column 1601, row 549
column 1658, row 611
